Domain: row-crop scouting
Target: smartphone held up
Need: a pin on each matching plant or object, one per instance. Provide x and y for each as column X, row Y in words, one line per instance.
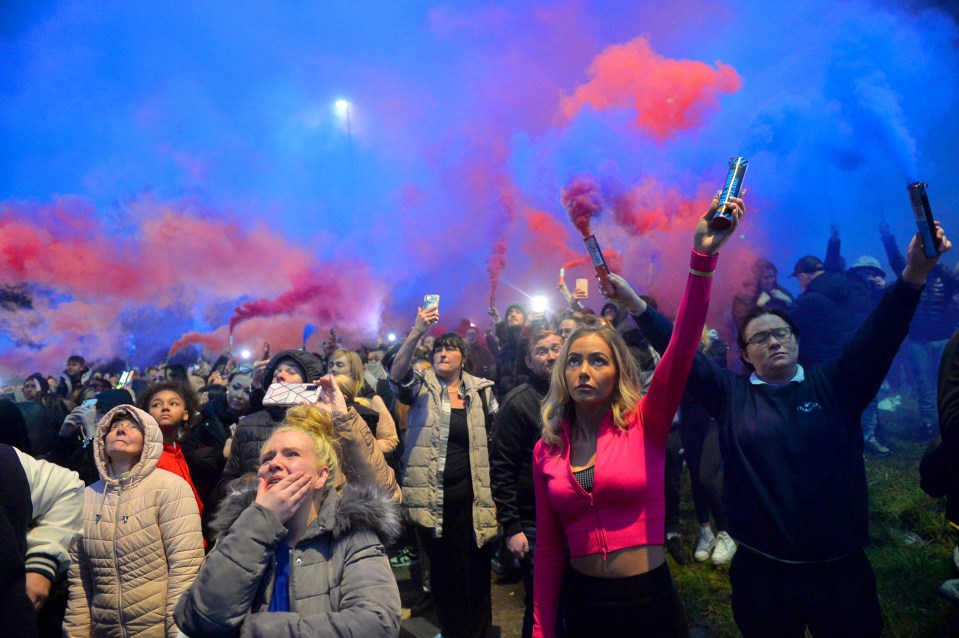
column 292, row 394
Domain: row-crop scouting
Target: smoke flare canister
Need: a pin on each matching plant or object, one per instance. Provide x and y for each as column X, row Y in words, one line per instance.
column 596, row 256
column 924, row 219
column 562, row 276
column 733, row 187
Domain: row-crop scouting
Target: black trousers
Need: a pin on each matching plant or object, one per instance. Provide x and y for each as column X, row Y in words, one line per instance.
column 646, row 605
column 460, row 574
column 773, row 599
column 700, row 436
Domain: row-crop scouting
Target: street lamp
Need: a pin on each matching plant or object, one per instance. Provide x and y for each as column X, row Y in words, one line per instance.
column 343, row 107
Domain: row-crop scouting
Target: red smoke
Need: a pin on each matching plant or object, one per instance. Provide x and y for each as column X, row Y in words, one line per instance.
column 495, row 265
column 549, row 234
column 614, row 260
column 654, row 206
column 576, row 262
column 91, row 288
column 208, row 341
column 668, row 95
column 582, row 201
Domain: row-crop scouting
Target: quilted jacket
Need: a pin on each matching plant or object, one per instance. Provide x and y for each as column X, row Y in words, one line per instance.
column 425, row 452
column 141, row 545
column 341, row 583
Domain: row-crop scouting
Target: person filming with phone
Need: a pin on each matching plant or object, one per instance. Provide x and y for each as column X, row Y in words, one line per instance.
column 446, row 480
column 300, row 372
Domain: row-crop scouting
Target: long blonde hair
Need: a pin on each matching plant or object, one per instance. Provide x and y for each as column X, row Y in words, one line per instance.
column 558, row 406
column 356, row 367
column 348, row 388
column 318, row 425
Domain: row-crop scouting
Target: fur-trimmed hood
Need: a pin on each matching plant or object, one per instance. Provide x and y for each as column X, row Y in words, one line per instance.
column 353, row 508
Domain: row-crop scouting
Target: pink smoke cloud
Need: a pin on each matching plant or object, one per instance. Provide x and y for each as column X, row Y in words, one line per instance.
column 582, row 200
column 668, row 95
column 653, row 206
column 179, row 257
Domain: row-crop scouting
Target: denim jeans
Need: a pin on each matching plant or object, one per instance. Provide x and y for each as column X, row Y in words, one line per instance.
column 923, row 358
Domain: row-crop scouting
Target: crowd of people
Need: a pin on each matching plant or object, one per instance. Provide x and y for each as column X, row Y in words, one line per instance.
column 186, row 501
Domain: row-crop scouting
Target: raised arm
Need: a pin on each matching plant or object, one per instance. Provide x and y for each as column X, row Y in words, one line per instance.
column 425, row 319
column 660, row 403
column 869, row 354
column 833, row 261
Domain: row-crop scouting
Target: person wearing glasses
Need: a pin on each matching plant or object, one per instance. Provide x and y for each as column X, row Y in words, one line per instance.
column 794, row 478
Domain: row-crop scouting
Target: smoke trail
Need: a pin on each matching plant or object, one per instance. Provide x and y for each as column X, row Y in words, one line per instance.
column 582, row 200
column 495, row 265
column 208, row 341
column 668, row 95
column 180, row 261
column 581, row 261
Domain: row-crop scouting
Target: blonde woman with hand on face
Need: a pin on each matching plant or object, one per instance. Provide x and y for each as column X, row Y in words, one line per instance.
column 296, row 557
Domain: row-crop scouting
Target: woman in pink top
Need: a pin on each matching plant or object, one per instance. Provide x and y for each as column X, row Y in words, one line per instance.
column 598, row 470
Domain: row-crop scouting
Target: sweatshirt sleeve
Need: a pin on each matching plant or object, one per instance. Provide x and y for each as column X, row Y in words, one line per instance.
column 707, row 383
column 657, row 408
column 505, row 463
column 867, row 357
column 57, row 497
column 550, row 557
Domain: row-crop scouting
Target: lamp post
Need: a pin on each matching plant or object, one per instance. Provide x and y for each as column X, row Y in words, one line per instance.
column 343, row 107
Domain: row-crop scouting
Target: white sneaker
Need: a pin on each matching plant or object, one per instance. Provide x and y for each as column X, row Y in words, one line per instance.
column 725, row 548
column 705, row 544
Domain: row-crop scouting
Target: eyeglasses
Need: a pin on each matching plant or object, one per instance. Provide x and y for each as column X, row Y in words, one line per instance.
column 760, row 338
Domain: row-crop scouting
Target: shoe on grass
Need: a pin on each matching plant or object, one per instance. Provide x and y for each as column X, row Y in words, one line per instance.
column 674, row 543
column 874, row 447
column 705, row 545
column 950, row 590
column 724, row 550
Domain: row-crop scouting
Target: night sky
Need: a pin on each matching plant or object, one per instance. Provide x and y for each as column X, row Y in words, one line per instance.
column 168, row 167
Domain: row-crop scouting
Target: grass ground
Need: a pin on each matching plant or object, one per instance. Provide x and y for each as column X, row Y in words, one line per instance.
column 911, row 550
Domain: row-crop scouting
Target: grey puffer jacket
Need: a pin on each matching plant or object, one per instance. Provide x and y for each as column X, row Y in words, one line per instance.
column 425, row 454
column 341, row 583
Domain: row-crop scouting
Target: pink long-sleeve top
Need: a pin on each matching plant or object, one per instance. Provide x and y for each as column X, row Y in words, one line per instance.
column 626, row 507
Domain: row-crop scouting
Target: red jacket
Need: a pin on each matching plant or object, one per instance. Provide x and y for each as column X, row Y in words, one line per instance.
column 172, row 460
